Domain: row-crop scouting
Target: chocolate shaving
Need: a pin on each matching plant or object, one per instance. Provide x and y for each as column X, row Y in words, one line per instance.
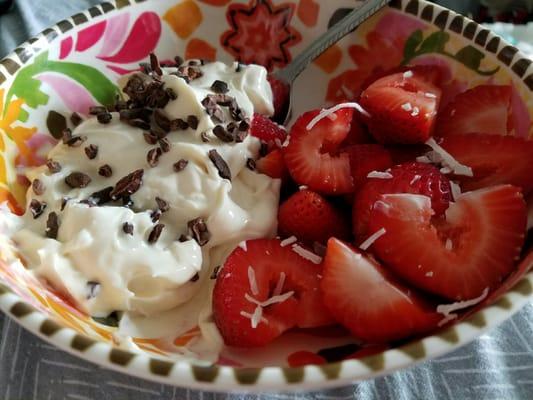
column 52, row 226
column 119, row 105
column 220, row 164
column 189, row 72
column 150, row 138
column 220, row 132
column 215, row 272
column 77, row 180
column 250, row 163
column 162, row 120
column 38, row 187
column 235, row 112
column 195, row 277
column 100, row 197
column 104, row 118
column 192, row 121
column 66, row 135
column 184, row 238
column 198, row 230
column 212, row 109
column 138, row 123
column 162, row 204
column 76, row 119
column 178, row 60
column 75, row 141
column 154, row 64
column 155, row 233
column 164, row 144
column 127, row 228
column 93, row 289
column 223, row 99
column 128, row 185
column 91, row 151
column 37, row 208
column 127, row 202
column 105, row 171
column 244, row 125
column 140, row 86
column 239, row 67
column 219, row 87
column 95, row 110
column 152, row 157
column 53, row 166
column 136, row 113
column 180, row 165
column 178, row 124
column 64, row 202
column 155, row 215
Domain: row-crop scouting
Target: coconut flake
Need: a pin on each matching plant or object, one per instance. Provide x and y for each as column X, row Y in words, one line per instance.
column 242, row 245
column 430, row 95
column 379, row 175
column 408, row 74
column 415, row 179
column 415, row 112
column 252, row 281
column 447, row 160
column 445, row 170
column 372, row 238
column 407, row 106
column 289, row 240
column 429, row 274
column 308, row 255
column 448, row 310
column 456, row 190
column 279, row 285
column 303, row 187
column 279, row 298
column 328, row 111
column 449, row 244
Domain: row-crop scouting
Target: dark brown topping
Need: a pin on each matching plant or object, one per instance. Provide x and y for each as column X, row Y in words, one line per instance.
column 164, row 144
column 38, row 187
column 93, row 289
column 52, row 226
column 219, row 87
column 127, row 228
column 223, row 99
column 150, row 138
column 119, row 105
column 75, row 141
column 198, row 230
column 162, row 204
column 76, row 119
column 220, row 132
column 154, row 64
column 180, row 165
column 235, row 112
column 66, row 135
column 105, row 171
column 178, row 124
column 184, row 238
column 155, row 215
column 162, row 120
column 64, row 202
column 128, row 185
column 104, row 118
column 136, row 113
column 138, row 123
column 189, row 72
column 215, row 272
column 37, row 208
column 95, row 110
column 53, row 166
column 140, row 86
column 91, row 151
column 244, row 125
column 195, row 277
column 192, row 121
column 263, row 150
column 204, row 137
column 77, row 180
column 145, row 67
column 178, row 60
column 127, row 202
column 152, row 158
column 250, row 163
column 100, row 197
column 239, row 67
column 220, row 164
column 155, row 233
column 171, row 94
column 240, row 134
column 213, row 109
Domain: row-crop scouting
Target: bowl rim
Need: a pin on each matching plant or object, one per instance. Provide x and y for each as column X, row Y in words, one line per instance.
column 185, row 374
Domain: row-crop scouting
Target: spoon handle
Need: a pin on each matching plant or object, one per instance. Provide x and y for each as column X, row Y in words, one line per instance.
column 351, row 21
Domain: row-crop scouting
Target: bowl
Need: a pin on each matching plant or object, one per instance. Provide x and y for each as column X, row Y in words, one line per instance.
column 76, row 63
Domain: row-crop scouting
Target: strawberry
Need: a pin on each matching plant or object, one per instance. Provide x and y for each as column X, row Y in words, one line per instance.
column 494, row 159
column 411, row 177
column 267, row 263
column 456, row 257
column 358, row 132
column 267, row 131
column 311, row 218
column 280, row 94
column 365, row 158
column 311, row 155
column 482, row 109
column 273, row 165
column 369, row 301
column 402, row 108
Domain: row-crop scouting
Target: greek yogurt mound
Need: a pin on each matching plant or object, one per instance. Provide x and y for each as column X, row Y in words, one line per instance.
column 137, row 206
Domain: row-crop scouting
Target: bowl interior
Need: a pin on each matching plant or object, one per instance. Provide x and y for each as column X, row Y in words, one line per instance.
column 77, row 65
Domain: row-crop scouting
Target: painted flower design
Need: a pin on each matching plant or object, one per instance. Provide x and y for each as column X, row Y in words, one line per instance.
column 261, row 33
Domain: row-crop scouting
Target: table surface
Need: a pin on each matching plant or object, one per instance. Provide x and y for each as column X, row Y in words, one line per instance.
column 498, row 365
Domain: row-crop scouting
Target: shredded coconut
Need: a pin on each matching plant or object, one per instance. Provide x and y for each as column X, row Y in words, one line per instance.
column 407, row 106
column 430, row 95
column 456, row 190
column 252, row 281
column 372, row 238
column 256, row 317
column 328, row 111
column 308, row 255
column 415, row 112
column 279, row 285
column 379, row 175
column 408, row 74
column 242, row 245
column 415, row 179
column 445, row 170
column 448, row 310
column 429, row 274
column 289, row 240
column 446, row 159
column 449, row 244
column 303, row 187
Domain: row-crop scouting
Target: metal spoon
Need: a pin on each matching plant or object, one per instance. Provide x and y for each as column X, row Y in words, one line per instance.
column 290, row 72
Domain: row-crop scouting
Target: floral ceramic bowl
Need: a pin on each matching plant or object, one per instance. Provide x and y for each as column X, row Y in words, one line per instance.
column 75, row 64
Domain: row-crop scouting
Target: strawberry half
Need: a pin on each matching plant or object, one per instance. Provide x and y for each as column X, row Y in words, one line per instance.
column 253, row 275
column 311, row 218
column 494, row 160
column 365, row 158
column 267, row 131
column 411, row 177
column 273, row 165
column 312, row 156
column 402, row 107
column 366, row 299
column 473, row 248
column 482, row 109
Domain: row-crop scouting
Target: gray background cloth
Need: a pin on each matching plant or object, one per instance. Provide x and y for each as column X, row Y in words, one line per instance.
column 498, row 365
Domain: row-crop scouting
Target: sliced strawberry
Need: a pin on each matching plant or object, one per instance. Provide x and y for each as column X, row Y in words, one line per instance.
column 273, row 165
column 280, row 94
column 494, row 159
column 268, row 131
column 270, row 264
column 411, row 177
column 402, row 108
column 309, row 163
column 358, row 132
column 482, row 109
column 311, row 218
column 474, row 248
column 366, row 299
column 432, row 74
column 365, row 158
